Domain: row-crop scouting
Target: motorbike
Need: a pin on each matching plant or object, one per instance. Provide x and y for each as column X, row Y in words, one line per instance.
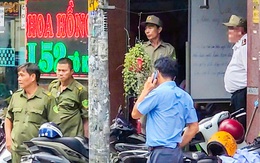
column 122, row 131
column 208, row 126
column 57, row 150
column 127, row 146
column 124, row 137
column 52, row 147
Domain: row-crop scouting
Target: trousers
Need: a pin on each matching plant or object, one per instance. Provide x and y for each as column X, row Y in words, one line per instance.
column 165, row 155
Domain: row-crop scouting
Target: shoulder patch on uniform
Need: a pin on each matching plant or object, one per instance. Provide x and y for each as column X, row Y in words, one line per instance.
column 243, row 42
column 85, row 103
column 55, row 109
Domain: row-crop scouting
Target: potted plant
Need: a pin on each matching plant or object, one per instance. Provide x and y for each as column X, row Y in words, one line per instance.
column 137, row 68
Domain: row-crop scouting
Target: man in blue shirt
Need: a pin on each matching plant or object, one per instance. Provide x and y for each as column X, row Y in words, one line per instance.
column 169, row 109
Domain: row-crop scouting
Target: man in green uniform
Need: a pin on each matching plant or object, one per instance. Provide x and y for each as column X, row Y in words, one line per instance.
column 71, row 100
column 28, row 109
column 155, row 47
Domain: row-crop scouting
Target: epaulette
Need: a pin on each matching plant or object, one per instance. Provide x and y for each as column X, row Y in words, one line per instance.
column 47, row 93
column 79, row 86
column 243, row 42
column 146, row 43
column 19, row 90
column 54, row 81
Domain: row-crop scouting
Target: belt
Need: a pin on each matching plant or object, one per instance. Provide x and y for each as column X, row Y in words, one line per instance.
column 156, row 147
column 159, row 147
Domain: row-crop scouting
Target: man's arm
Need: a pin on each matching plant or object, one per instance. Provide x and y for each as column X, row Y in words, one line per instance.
column 83, row 96
column 85, row 124
column 148, row 87
column 8, row 130
column 135, row 113
column 189, row 133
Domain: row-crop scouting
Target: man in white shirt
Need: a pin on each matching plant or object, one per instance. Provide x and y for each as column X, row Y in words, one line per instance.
column 235, row 78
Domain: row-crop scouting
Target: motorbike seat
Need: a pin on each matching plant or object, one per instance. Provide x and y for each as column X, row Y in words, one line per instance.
column 71, row 142
column 126, row 146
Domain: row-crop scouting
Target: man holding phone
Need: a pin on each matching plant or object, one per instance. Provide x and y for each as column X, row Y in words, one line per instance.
column 155, row 74
column 169, row 109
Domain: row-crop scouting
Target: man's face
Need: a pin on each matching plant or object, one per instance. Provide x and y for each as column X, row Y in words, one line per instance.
column 64, row 72
column 152, row 31
column 25, row 79
column 234, row 34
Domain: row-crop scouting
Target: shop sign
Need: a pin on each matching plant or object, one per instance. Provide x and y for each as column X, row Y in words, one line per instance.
column 11, row 7
column 56, row 32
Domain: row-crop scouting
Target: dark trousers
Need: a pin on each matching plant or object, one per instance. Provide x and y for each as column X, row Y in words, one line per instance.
column 166, row 155
column 238, row 99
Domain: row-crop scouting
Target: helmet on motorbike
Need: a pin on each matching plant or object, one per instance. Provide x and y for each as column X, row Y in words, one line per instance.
column 233, row 127
column 221, row 143
column 50, row 130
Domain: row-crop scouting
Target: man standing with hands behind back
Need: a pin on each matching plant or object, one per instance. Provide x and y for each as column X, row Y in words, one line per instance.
column 155, row 46
column 169, row 109
column 71, row 100
column 235, row 78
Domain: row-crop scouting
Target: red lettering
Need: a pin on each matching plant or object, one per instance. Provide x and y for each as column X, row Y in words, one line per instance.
column 31, row 25
column 49, row 27
column 61, row 25
column 81, row 25
column 40, row 25
column 86, row 25
column 70, row 25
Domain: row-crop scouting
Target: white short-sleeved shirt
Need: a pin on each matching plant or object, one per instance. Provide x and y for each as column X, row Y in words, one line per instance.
column 236, row 73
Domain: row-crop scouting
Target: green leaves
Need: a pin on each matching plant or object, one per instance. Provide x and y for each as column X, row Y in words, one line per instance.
column 137, row 67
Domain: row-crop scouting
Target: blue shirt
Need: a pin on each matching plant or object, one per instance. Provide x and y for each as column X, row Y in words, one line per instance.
column 168, row 110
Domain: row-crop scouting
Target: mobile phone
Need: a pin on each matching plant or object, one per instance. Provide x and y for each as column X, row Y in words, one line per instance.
column 155, row 74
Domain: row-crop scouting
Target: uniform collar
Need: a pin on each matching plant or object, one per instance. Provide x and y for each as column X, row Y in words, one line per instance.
column 169, row 83
column 36, row 94
column 70, row 86
column 162, row 43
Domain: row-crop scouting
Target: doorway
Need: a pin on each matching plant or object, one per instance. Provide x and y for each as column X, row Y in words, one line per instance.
column 174, row 15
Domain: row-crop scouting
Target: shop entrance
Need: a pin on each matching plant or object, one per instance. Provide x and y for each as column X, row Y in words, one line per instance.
column 12, row 45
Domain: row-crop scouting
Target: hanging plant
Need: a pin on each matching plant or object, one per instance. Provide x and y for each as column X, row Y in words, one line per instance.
column 136, row 70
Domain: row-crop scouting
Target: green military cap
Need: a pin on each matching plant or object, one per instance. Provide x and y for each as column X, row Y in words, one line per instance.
column 151, row 19
column 236, row 21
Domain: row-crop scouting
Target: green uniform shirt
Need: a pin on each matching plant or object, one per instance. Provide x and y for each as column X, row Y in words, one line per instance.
column 72, row 107
column 164, row 49
column 27, row 115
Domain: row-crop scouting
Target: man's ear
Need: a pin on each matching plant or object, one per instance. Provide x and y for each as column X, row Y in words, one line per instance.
column 33, row 77
column 160, row 29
